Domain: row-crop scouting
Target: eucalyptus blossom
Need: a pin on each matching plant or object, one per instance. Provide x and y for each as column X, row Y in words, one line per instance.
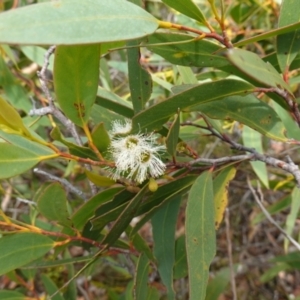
column 136, row 156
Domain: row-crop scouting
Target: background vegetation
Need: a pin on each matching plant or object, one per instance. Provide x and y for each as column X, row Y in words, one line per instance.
column 214, row 84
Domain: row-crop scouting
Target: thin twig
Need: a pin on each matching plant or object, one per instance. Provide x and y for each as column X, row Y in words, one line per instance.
column 63, row 181
column 229, row 250
column 221, row 160
column 288, row 166
column 269, row 217
column 30, row 202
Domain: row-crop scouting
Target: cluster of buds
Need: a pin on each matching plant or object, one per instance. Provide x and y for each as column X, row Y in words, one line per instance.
column 136, row 156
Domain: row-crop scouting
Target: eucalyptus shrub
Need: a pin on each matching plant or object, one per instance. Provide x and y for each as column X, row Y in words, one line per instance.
column 110, row 150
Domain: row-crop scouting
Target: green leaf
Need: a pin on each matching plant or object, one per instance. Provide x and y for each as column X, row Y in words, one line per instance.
column 181, row 49
column 200, row 234
column 124, row 218
column 140, row 244
column 292, row 130
column 249, row 111
column 243, row 11
column 288, row 44
column 172, row 137
column 76, row 75
column 17, row 250
column 99, row 180
column 71, row 292
column 75, row 22
column 253, row 139
column 100, row 137
column 252, row 65
column 163, row 228
column 15, row 160
column 155, row 116
column 292, row 217
column 180, row 266
column 26, row 144
column 116, row 107
column 268, row 34
column 220, row 184
column 87, row 210
column 273, row 272
column 52, row 204
column 218, row 284
column 140, row 81
column 290, row 258
column 103, row 94
column 13, row 91
column 161, row 197
column 51, row 287
column 11, row 295
column 188, row 8
column 141, row 278
column 153, row 293
column 110, row 210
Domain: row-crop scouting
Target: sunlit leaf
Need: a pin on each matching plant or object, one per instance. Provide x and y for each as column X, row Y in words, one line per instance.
column 75, row 22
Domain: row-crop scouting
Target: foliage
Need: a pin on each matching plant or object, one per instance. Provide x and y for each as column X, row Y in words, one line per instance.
column 105, row 133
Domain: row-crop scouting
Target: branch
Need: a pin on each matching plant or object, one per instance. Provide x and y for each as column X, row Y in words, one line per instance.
column 63, row 182
column 288, row 166
column 269, row 217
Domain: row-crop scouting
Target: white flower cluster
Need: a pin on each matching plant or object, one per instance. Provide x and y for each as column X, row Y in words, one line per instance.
column 136, row 156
